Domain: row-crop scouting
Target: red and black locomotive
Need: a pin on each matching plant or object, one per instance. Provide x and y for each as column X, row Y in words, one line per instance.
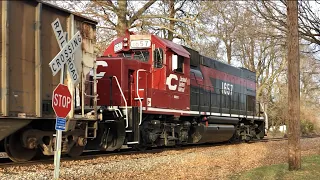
column 153, row 92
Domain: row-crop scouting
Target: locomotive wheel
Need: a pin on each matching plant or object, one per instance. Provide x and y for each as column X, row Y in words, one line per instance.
column 15, row 150
column 76, row 151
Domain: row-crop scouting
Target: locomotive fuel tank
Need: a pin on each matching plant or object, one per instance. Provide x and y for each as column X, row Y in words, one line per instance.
column 215, row 129
column 213, row 133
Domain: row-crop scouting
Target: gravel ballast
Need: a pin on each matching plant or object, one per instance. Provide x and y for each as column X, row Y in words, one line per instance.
column 217, row 162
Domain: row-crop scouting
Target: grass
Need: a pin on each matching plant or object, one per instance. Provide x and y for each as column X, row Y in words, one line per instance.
column 310, row 169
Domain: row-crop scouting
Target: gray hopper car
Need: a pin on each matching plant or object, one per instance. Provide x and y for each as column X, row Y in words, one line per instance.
column 28, row 44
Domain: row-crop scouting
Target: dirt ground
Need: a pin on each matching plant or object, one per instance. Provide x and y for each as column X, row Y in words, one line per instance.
column 217, row 162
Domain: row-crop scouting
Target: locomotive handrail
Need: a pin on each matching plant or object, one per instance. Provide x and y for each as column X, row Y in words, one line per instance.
column 125, row 101
column 91, row 96
column 137, row 86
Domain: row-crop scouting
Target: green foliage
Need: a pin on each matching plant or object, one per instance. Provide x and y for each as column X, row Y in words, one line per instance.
column 307, row 127
column 309, row 170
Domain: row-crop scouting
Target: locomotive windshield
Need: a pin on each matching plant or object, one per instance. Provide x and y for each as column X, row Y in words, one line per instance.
column 141, row 55
column 135, row 48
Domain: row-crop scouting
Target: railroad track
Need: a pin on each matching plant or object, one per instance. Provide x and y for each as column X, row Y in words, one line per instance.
column 285, row 138
column 87, row 155
column 273, row 139
column 6, row 162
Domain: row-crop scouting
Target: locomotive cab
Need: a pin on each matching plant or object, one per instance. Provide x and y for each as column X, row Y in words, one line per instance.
column 151, row 69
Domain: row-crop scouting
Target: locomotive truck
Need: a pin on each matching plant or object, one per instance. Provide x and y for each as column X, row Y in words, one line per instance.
column 145, row 91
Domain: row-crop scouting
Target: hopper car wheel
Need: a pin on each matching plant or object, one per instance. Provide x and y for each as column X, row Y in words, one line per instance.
column 76, row 151
column 14, row 148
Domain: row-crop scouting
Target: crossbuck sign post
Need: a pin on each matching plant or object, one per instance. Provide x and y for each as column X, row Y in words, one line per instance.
column 65, row 56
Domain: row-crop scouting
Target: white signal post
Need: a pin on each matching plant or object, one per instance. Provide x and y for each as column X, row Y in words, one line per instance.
column 65, row 56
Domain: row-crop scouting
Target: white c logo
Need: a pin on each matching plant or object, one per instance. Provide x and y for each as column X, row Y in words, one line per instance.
column 168, row 82
column 104, row 64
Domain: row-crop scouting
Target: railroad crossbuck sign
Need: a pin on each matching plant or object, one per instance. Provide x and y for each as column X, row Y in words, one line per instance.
column 61, row 101
column 66, row 54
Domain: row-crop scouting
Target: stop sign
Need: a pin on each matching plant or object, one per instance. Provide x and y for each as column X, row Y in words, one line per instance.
column 61, row 100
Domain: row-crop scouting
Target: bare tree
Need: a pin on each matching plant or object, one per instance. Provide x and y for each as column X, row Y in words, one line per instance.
column 221, row 20
column 114, row 17
column 120, row 15
column 173, row 19
column 274, row 14
column 259, row 48
column 308, row 21
column 310, row 84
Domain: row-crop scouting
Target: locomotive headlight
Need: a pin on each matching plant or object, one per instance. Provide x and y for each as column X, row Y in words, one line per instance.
column 125, row 42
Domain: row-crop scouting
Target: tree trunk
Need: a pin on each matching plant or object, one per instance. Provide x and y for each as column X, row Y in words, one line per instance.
column 228, row 46
column 171, row 22
column 294, row 149
column 252, row 67
column 122, row 24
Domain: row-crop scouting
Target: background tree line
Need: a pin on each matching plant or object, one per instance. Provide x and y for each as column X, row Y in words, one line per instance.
column 250, row 34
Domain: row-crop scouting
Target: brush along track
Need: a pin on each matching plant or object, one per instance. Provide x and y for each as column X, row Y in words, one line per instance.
column 285, row 138
column 87, row 155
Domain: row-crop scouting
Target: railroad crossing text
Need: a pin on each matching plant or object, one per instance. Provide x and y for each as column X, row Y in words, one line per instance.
column 62, row 57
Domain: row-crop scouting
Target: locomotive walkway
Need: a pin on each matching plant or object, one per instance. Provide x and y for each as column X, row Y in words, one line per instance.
column 204, row 162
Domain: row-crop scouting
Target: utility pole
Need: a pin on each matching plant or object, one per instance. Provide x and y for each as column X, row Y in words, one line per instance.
column 294, row 148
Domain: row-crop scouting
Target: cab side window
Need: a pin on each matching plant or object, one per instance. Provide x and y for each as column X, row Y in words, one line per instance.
column 177, row 63
column 180, row 64
column 158, row 58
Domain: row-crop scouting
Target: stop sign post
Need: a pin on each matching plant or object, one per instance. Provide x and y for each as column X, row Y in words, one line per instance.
column 61, row 104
